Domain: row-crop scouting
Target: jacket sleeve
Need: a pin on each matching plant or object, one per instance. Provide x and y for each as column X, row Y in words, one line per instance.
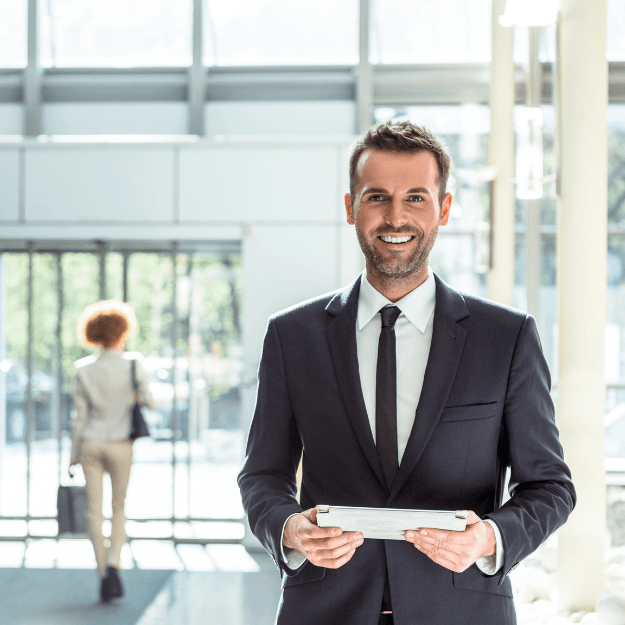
column 268, row 477
column 542, row 494
column 82, row 404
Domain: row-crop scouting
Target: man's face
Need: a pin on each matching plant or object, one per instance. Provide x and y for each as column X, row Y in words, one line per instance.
column 396, row 211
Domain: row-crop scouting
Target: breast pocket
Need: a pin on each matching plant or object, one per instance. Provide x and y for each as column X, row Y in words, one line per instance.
column 469, row 413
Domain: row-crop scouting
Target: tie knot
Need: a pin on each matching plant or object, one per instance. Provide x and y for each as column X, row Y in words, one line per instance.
column 389, row 315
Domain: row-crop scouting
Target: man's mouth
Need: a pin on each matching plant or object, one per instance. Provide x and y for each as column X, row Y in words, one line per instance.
column 396, row 240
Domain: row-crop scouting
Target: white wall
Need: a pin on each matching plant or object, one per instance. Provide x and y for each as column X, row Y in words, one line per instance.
column 331, row 118
column 118, row 118
column 281, row 198
column 281, row 118
column 11, row 119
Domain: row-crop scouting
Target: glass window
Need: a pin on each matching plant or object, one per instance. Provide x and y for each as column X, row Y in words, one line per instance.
column 615, row 301
column 116, row 33
column 431, row 31
column 616, row 31
column 13, row 21
column 280, row 32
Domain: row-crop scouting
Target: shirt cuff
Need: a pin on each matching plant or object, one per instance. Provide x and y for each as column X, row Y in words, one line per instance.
column 291, row 557
column 491, row 564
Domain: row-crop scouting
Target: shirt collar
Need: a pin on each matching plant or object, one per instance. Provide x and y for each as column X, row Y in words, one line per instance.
column 417, row 306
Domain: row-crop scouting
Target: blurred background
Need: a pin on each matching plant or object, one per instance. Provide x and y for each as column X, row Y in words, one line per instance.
column 190, row 157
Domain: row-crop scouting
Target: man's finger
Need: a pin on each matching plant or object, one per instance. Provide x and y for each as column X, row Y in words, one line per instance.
column 331, row 542
column 443, row 536
column 339, row 562
column 472, row 518
column 338, row 552
column 314, row 531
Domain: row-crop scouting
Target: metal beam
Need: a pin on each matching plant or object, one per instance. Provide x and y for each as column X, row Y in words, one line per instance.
column 364, row 80
column 197, row 75
column 32, row 74
column 174, row 376
column 392, row 84
column 30, row 405
column 533, row 207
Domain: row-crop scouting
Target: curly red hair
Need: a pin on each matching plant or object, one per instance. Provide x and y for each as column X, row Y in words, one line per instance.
column 106, row 324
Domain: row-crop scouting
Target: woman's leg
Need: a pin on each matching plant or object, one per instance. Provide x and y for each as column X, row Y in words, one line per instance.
column 93, row 468
column 118, row 463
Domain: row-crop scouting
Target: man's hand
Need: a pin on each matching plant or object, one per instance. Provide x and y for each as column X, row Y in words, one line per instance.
column 329, row 547
column 456, row 551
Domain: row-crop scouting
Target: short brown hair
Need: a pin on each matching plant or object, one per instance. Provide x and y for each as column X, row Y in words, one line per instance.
column 106, row 323
column 402, row 137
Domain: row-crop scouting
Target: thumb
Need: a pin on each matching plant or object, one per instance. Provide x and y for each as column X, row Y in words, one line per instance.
column 313, row 515
column 472, row 518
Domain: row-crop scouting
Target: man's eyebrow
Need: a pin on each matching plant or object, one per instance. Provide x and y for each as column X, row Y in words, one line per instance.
column 423, row 190
column 375, row 190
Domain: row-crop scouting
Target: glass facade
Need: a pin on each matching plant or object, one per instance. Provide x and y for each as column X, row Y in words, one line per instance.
column 281, row 32
column 189, row 332
column 430, row 31
column 115, row 33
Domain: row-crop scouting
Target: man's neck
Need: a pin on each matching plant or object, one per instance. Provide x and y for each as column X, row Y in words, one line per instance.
column 396, row 288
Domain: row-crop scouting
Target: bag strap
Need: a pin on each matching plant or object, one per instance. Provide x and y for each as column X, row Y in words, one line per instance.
column 133, row 373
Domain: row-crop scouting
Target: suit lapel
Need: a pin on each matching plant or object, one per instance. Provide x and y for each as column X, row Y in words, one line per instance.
column 341, row 332
column 448, row 339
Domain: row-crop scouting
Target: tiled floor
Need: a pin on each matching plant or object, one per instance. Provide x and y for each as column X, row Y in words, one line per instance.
column 50, row 553
column 213, row 585
column 218, row 598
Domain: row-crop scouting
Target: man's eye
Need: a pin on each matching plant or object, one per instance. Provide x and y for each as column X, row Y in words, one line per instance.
column 376, row 198
column 415, row 198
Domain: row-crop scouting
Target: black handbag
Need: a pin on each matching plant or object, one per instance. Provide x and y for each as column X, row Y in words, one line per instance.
column 139, row 427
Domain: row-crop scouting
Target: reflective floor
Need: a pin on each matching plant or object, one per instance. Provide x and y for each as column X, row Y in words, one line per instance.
column 217, row 584
column 218, row 598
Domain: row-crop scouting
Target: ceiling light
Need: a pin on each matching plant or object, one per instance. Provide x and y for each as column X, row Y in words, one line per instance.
column 530, row 12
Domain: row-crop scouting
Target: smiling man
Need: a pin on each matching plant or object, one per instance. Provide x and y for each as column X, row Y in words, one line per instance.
column 402, row 393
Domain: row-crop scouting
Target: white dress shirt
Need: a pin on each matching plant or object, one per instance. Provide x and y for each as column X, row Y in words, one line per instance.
column 413, row 332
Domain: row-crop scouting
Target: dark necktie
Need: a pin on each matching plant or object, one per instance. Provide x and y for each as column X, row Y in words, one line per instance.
column 386, row 396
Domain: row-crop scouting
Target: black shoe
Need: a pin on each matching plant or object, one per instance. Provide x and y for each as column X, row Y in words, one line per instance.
column 111, row 585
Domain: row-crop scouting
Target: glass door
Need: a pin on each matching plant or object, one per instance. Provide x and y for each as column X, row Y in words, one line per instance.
column 187, row 303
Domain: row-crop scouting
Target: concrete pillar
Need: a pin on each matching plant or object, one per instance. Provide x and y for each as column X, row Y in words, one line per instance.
column 582, row 248
column 501, row 156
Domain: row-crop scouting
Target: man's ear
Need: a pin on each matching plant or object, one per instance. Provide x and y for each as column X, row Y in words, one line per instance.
column 349, row 209
column 445, row 209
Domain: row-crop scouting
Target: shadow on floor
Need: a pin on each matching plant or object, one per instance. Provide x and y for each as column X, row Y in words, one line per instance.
column 70, row 597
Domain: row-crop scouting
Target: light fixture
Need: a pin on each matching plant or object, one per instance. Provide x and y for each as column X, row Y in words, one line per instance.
column 530, row 12
column 529, row 154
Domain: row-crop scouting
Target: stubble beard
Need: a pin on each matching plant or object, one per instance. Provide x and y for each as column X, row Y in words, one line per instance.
column 399, row 269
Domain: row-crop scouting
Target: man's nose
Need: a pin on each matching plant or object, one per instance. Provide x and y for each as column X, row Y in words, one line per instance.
column 396, row 215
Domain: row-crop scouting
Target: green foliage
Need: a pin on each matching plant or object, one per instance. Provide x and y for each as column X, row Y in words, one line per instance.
column 616, row 179
column 208, row 305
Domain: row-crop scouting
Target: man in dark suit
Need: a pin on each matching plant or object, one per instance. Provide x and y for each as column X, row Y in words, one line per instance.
column 400, row 392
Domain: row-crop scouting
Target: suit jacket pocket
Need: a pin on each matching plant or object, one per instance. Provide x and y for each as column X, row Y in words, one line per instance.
column 474, row 579
column 469, row 413
column 308, row 572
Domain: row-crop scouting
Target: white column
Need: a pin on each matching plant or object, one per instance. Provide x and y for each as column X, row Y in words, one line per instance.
column 501, row 156
column 582, row 243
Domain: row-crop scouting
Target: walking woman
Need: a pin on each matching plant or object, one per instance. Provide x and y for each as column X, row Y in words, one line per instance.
column 104, row 397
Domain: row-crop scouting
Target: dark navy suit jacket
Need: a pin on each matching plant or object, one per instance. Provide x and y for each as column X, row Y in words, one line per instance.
column 485, row 405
